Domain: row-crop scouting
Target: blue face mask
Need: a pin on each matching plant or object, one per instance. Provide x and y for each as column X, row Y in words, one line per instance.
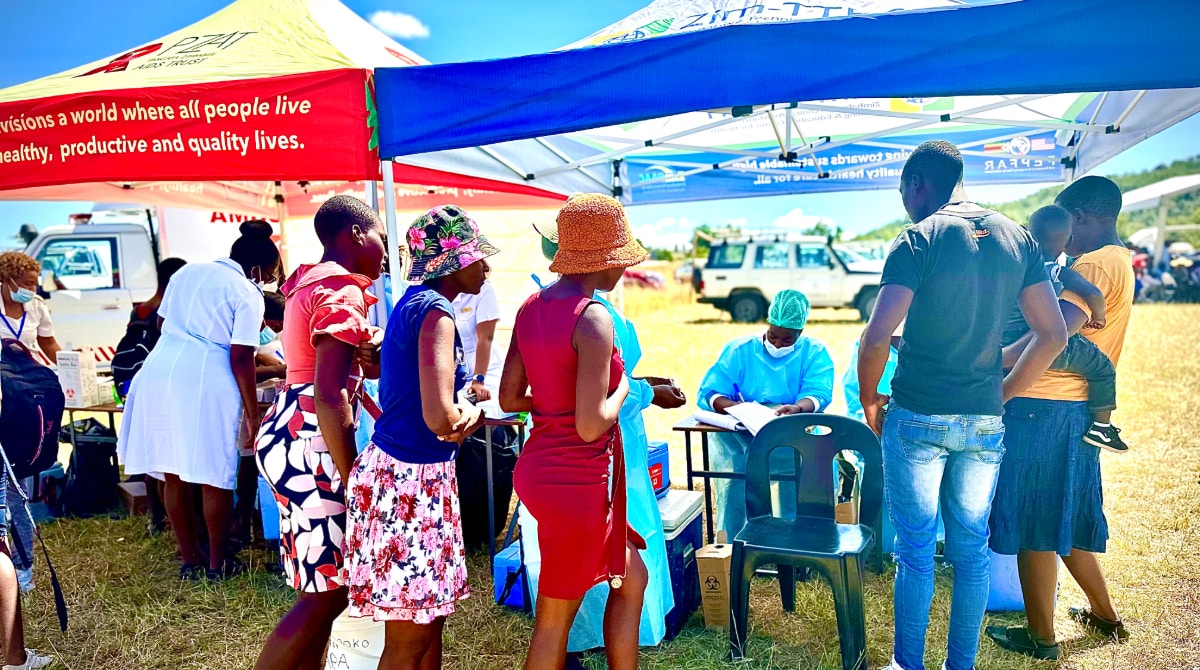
column 266, row 336
column 22, row 295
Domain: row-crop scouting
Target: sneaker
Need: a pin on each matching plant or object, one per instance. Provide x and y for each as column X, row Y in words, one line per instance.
column 1089, row 620
column 32, row 660
column 1106, row 437
column 1020, row 641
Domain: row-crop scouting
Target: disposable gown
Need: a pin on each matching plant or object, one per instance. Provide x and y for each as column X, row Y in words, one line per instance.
column 745, row 371
column 588, row 630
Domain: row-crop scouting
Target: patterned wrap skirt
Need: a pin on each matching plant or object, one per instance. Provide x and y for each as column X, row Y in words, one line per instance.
column 292, row 457
column 405, row 558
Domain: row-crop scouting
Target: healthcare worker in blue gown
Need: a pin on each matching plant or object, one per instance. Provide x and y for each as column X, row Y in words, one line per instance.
column 588, row 630
column 781, row 367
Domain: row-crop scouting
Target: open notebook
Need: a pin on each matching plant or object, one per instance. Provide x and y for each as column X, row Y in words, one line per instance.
column 749, row 416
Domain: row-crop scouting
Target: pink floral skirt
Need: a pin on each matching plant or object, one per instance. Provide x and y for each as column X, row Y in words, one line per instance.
column 405, row 559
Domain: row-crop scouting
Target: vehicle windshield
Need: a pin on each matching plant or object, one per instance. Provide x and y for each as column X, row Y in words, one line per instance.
column 848, row 256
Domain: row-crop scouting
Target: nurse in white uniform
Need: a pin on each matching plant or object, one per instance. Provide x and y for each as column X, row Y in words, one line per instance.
column 196, row 389
column 476, row 317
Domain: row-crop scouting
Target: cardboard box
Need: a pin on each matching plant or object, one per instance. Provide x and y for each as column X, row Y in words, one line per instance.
column 712, row 564
column 77, row 375
column 847, row 512
column 134, row 494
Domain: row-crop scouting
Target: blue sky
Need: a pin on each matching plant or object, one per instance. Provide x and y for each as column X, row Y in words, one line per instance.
column 41, row 38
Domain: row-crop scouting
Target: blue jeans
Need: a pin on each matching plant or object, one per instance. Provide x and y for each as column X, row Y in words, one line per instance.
column 955, row 459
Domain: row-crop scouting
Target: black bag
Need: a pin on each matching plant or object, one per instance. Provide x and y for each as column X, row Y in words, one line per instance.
column 30, row 412
column 93, row 476
column 471, row 469
column 140, row 337
column 22, row 507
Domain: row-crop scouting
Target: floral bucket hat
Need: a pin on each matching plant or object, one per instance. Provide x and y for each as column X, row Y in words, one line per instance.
column 443, row 241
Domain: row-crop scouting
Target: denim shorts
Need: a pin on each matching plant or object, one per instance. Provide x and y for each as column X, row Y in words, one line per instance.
column 1049, row 496
column 3, row 502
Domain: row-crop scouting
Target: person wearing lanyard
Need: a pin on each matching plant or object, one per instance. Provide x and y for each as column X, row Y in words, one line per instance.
column 26, row 317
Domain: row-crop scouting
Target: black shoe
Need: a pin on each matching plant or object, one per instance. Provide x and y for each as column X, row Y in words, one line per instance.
column 1110, row 629
column 1106, row 437
column 1020, row 641
column 232, row 567
column 190, row 572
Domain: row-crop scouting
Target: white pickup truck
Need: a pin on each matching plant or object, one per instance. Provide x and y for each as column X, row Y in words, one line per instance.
column 98, row 267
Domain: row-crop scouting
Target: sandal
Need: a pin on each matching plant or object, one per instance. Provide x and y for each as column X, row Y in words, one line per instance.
column 1097, row 624
column 1019, row 640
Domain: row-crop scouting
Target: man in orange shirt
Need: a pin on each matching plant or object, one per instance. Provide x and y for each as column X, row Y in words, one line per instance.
column 1049, row 497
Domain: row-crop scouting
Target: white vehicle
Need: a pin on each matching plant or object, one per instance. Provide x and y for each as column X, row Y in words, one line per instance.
column 744, row 272
column 98, row 267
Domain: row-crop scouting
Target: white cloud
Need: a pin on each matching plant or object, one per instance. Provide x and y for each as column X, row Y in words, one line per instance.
column 798, row 220
column 666, row 233
column 399, row 25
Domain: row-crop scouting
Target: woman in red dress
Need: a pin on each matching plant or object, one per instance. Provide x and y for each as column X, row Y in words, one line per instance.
column 564, row 368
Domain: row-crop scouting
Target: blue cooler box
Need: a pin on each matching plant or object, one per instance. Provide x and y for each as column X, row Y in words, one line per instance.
column 508, row 561
column 269, row 510
column 660, row 468
column 680, row 511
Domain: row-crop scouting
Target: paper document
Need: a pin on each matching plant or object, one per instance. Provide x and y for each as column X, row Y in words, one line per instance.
column 752, row 415
column 719, row 420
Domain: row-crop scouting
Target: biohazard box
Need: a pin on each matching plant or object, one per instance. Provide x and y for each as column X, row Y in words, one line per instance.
column 712, row 564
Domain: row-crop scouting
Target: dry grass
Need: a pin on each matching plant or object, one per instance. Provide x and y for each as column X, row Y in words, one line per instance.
column 128, row 611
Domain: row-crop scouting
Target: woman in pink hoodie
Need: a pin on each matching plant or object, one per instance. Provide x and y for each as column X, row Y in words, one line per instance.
column 305, row 449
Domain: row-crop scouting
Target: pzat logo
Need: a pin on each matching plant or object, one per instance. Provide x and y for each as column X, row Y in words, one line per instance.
column 188, row 50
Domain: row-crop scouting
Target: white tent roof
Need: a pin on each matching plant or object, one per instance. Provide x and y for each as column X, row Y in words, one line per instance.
column 1148, row 197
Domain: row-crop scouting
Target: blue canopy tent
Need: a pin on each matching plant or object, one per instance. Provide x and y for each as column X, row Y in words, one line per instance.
column 703, row 99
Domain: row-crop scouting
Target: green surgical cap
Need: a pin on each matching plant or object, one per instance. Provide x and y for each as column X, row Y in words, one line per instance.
column 789, row 309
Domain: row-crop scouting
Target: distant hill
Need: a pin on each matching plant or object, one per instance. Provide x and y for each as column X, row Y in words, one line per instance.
column 1184, row 209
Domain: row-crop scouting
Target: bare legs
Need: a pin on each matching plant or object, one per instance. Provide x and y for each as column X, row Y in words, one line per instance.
column 622, row 616
column 180, row 501
column 1039, row 577
column 1085, row 568
column 411, row 646
column 298, row 642
column 12, row 630
column 218, row 511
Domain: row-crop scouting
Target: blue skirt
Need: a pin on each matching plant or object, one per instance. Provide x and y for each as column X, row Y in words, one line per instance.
column 1049, row 496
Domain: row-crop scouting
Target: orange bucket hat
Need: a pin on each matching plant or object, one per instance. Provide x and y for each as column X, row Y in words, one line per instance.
column 594, row 235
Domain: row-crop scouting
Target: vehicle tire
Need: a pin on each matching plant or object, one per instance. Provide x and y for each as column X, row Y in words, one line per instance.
column 746, row 308
column 866, row 302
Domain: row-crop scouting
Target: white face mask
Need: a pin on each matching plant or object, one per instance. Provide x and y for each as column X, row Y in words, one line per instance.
column 777, row 352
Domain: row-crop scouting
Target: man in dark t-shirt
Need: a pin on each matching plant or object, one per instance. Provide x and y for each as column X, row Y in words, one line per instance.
column 952, row 278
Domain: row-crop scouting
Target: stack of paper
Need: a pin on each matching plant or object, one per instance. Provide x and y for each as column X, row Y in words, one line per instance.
column 748, row 416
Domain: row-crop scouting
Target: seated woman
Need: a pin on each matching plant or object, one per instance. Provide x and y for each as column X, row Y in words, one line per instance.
column 779, row 367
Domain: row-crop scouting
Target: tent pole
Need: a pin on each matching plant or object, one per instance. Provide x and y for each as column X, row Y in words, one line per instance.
column 1160, row 233
column 373, row 193
column 395, row 262
column 279, row 216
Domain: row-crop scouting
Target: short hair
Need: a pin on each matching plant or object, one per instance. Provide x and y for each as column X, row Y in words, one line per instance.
column 167, row 269
column 1095, row 195
column 255, row 248
column 13, row 264
column 1050, row 221
column 339, row 213
column 939, row 162
column 273, row 303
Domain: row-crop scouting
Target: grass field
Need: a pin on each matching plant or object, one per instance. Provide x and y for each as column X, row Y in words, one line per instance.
column 129, row 611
